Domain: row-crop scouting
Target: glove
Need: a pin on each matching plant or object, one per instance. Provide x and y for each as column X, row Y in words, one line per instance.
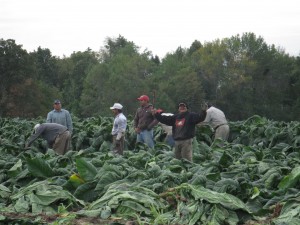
column 119, row 136
column 159, row 111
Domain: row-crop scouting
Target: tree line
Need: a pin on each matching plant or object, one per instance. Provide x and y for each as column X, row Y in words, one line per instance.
column 242, row 75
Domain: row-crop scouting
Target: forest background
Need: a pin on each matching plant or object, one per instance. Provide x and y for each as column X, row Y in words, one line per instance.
column 242, row 75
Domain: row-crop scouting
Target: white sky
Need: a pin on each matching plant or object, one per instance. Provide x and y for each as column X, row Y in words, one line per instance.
column 161, row 26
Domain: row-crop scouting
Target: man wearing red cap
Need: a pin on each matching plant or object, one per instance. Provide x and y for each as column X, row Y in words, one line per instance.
column 144, row 122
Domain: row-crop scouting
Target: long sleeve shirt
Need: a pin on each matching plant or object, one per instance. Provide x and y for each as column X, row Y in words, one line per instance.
column 215, row 117
column 47, row 131
column 62, row 117
column 183, row 124
column 120, row 124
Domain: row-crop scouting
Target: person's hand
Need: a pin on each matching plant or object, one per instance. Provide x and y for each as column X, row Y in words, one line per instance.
column 154, row 111
column 204, row 106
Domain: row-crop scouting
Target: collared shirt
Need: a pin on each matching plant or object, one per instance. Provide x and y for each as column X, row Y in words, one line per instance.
column 62, row 117
column 215, row 117
column 120, row 124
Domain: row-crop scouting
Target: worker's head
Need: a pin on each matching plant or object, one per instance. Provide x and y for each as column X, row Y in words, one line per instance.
column 57, row 104
column 116, row 108
column 36, row 127
column 182, row 107
column 144, row 100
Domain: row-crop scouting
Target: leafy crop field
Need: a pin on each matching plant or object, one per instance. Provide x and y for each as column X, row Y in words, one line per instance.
column 253, row 179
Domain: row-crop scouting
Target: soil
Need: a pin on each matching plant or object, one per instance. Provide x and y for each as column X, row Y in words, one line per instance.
column 39, row 219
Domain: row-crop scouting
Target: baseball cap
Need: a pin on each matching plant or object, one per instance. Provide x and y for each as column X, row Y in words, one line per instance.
column 116, row 106
column 143, row 98
column 182, row 104
column 56, row 101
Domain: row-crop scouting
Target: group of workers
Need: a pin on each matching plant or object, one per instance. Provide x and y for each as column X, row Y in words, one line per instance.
column 179, row 127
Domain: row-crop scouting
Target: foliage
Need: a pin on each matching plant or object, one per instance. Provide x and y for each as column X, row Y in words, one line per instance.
column 241, row 75
column 255, row 173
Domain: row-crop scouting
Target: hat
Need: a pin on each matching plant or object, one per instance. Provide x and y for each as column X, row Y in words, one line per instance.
column 56, row 101
column 143, row 98
column 36, row 126
column 184, row 104
column 167, row 114
column 116, row 106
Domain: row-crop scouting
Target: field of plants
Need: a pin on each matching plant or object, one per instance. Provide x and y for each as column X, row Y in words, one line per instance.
column 252, row 179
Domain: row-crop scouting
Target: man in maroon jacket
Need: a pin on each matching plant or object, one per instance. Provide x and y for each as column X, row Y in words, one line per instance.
column 144, row 121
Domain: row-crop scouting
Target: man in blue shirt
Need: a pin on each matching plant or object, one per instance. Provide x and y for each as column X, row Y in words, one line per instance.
column 119, row 128
column 60, row 116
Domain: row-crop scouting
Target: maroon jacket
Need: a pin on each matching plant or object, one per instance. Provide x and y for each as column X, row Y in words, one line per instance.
column 144, row 119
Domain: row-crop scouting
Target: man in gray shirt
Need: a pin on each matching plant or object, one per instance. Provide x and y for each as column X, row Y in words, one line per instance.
column 57, row 136
column 60, row 116
column 216, row 118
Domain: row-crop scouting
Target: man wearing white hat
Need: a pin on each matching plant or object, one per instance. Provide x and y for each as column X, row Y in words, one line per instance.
column 119, row 128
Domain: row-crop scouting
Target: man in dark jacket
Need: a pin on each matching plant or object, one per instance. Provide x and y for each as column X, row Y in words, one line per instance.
column 144, row 121
column 57, row 136
column 183, row 127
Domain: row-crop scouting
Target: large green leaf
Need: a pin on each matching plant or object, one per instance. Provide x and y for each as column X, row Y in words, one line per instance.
column 86, row 170
column 39, row 167
column 291, row 179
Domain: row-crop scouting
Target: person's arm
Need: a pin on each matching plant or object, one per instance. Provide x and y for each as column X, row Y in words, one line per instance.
column 69, row 122
column 122, row 123
column 168, row 120
column 34, row 136
column 49, row 117
column 199, row 117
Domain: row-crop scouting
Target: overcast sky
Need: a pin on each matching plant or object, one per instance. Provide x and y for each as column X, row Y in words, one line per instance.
column 65, row 26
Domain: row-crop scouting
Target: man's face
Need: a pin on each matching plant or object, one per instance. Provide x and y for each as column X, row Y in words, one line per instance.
column 57, row 106
column 182, row 108
column 143, row 102
column 114, row 111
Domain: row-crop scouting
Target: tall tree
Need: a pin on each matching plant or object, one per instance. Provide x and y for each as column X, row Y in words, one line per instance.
column 121, row 77
column 46, row 66
column 15, row 68
column 72, row 73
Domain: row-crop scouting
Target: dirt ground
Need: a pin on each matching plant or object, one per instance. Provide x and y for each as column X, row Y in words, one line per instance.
column 28, row 219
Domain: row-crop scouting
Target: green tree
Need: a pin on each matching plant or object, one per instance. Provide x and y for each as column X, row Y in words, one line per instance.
column 46, row 66
column 72, row 73
column 121, row 77
column 15, row 68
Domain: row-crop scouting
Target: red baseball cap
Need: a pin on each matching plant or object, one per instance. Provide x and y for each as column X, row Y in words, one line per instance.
column 143, row 98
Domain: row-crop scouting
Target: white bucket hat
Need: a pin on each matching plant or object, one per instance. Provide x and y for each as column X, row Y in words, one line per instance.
column 36, row 126
column 117, row 106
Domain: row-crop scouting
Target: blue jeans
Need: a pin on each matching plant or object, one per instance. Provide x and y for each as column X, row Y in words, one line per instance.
column 170, row 141
column 146, row 136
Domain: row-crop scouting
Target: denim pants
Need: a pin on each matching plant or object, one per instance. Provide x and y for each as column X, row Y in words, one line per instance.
column 146, row 136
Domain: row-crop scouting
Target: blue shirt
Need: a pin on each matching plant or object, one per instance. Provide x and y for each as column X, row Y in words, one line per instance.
column 120, row 124
column 62, row 117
